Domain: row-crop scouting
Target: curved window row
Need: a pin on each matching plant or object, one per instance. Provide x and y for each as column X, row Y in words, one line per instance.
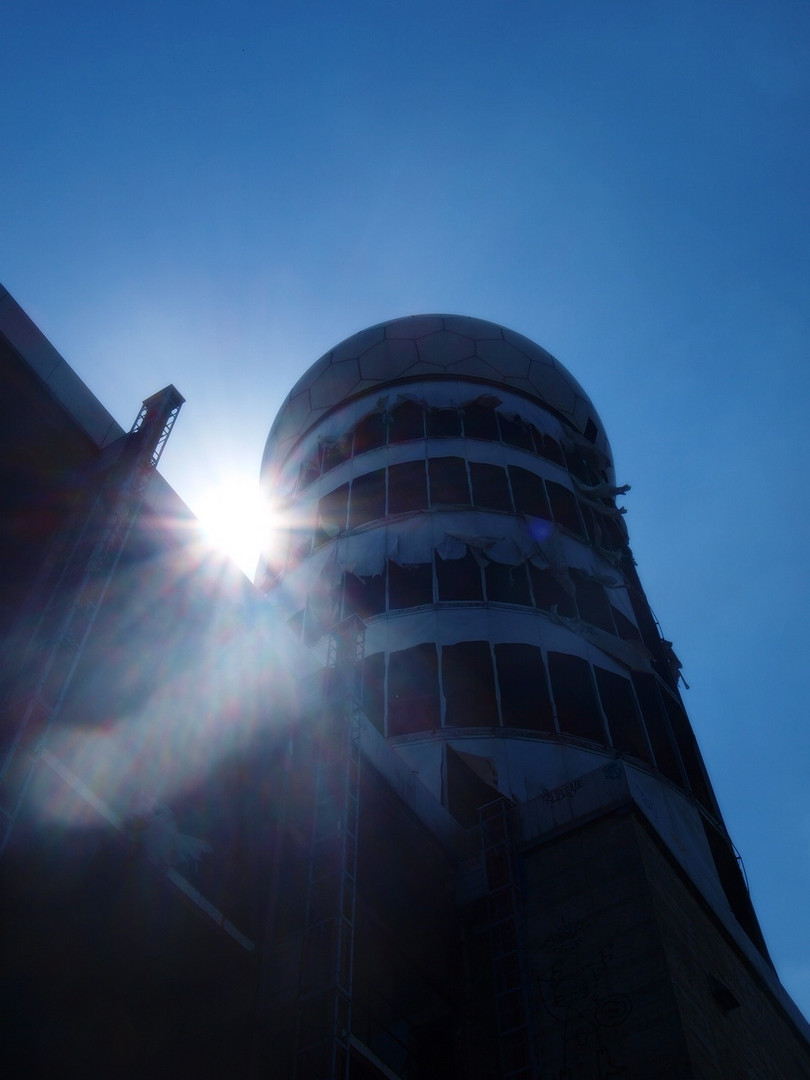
column 571, row 593
column 479, row 419
column 478, row 684
column 441, row 482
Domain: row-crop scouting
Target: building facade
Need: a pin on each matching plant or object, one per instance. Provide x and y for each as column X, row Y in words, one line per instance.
column 424, row 802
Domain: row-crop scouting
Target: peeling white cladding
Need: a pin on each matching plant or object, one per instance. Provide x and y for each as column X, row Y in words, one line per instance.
column 448, row 481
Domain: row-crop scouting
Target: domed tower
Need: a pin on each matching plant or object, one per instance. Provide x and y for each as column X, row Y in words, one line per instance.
column 452, row 484
column 449, row 482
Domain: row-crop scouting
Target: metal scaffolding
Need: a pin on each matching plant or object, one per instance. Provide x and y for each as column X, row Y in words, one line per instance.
column 507, row 944
column 323, row 1031
column 69, row 594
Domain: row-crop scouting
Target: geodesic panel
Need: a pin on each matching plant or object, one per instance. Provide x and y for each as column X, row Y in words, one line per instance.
column 388, row 359
column 553, row 390
column 414, row 326
column 527, row 346
column 444, row 348
column 503, row 357
column 334, row 383
column 357, row 343
column 472, row 328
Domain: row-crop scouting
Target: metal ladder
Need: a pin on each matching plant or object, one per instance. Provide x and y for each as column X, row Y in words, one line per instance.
column 323, row 1030
column 512, row 1005
column 73, row 585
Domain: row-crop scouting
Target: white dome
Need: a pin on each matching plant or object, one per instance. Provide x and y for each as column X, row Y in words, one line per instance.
column 421, row 347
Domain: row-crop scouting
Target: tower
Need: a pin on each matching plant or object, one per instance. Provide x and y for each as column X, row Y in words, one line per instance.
column 448, row 482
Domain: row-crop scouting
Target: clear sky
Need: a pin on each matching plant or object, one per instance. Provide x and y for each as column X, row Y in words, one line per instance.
column 214, row 194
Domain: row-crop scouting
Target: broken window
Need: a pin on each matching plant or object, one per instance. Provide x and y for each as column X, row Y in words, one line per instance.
column 448, row 482
column 443, row 423
column 480, row 422
column 655, row 721
column 370, row 433
column 367, row 499
column 592, row 602
column 564, row 507
column 332, row 514
column 687, row 746
column 624, row 627
column 529, row 492
column 507, row 584
column 374, row 689
column 459, row 579
column 490, row 489
column 579, row 467
column 407, row 487
column 469, row 685
column 548, row 448
column 621, row 711
column 296, row 622
column 363, row 596
column 575, row 697
column 413, row 690
column 406, row 421
column 522, row 681
column 515, row 432
column 335, row 452
column 409, row 586
column 549, row 592
column 310, row 471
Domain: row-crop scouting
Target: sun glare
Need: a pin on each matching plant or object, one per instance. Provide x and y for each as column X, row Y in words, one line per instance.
column 235, row 519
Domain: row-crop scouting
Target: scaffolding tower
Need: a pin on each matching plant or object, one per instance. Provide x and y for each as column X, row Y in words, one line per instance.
column 323, row 1033
column 507, row 945
column 68, row 595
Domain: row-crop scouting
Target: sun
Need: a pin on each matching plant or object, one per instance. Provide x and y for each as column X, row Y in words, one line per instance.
column 235, row 519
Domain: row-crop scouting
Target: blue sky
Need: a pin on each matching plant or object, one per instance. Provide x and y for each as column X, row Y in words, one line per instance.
column 213, row 194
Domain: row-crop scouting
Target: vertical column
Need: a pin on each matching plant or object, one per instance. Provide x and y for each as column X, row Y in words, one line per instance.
column 508, row 950
column 325, row 992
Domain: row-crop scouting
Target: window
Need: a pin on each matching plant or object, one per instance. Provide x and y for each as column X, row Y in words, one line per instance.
column 522, row 681
column 480, row 422
column 548, row 448
column 530, row 494
column 507, row 584
column 515, row 432
column 406, row 422
column 575, row 697
column 370, row 433
column 367, row 499
column 652, row 710
column 407, row 487
column 374, row 689
column 549, row 592
column 448, row 482
column 336, row 452
column 363, row 596
column 619, row 706
column 459, row 579
column 443, row 423
column 469, row 685
column 490, row 489
column 413, row 690
column 564, row 507
column 310, row 470
column 690, row 755
column 332, row 514
column 409, row 586
column 592, row 602
column 624, row 627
